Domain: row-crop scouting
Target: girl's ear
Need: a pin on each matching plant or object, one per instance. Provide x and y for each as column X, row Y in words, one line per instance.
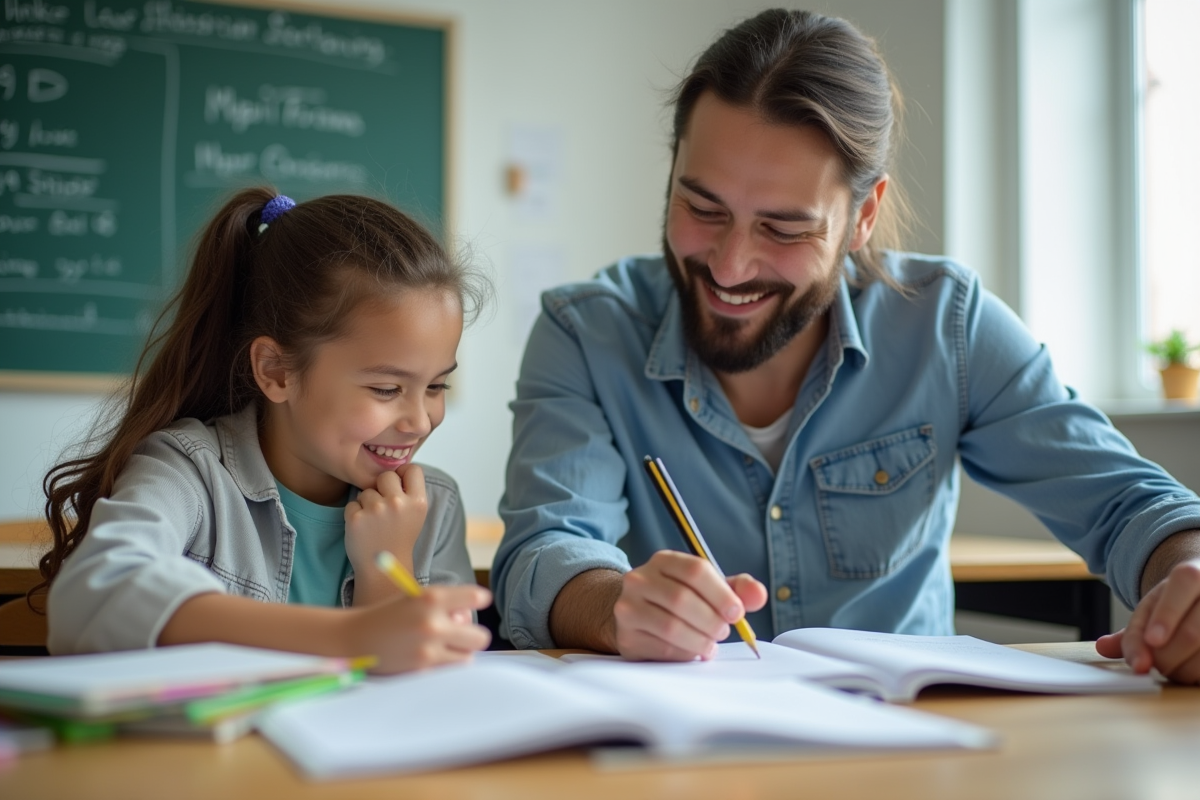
column 272, row 377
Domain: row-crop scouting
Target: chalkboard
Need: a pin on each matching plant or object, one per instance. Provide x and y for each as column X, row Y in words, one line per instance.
column 124, row 124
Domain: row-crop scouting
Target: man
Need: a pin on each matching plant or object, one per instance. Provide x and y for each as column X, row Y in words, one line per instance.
column 809, row 389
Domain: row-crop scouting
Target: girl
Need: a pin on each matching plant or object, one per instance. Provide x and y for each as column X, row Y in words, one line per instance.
column 266, row 453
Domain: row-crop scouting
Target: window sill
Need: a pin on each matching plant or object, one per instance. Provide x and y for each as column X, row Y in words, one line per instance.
column 1150, row 409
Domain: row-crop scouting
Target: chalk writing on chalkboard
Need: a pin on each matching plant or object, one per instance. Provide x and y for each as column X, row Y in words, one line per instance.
column 124, row 123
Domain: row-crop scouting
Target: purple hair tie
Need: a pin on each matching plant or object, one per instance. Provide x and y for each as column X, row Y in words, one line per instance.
column 275, row 208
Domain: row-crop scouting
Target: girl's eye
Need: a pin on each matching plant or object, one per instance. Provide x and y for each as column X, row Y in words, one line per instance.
column 388, row 392
column 438, row 388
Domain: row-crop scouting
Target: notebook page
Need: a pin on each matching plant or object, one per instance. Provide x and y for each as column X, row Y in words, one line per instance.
column 692, row 712
column 529, row 658
column 736, row 660
column 445, row 717
column 987, row 664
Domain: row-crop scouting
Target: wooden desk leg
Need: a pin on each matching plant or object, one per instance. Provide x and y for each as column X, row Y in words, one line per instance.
column 1083, row 604
column 22, row 632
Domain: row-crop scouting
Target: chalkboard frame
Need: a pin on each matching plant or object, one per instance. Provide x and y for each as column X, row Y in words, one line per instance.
column 108, row 383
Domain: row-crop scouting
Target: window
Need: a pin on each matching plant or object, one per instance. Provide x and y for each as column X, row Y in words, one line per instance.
column 1170, row 162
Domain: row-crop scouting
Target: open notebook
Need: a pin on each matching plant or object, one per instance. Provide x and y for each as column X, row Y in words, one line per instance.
column 494, row 709
column 896, row 666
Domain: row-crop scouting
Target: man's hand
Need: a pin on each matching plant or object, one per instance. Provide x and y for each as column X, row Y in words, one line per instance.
column 1164, row 631
column 387, row 517
column 676, row 607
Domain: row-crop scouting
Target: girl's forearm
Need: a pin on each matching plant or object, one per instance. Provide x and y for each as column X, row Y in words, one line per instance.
column 403, row 633
column 278, row 626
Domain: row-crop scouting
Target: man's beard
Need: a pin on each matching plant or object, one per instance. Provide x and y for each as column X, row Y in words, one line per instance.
column 715, row 337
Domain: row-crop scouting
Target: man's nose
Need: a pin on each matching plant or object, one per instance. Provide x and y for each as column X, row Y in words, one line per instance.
column 733, row 261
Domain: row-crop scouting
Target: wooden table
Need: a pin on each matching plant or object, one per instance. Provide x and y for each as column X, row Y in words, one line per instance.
column 1025, row 578
column 1100, row 747
column 1029, row 579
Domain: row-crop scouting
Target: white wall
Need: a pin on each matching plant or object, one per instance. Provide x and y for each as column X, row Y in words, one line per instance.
column 595, row 74
column 982, row 142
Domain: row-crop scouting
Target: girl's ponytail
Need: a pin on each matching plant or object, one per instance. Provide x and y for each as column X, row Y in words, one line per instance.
column 190, row 373
column 299, row 283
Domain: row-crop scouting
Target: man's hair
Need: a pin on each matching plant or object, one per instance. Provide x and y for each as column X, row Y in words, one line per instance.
column 802, row 68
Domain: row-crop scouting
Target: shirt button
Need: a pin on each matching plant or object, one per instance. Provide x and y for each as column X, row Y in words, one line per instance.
column 881, row 477
column 694, row 405
column 783, row 594
column 749, row 460
column 776, row 513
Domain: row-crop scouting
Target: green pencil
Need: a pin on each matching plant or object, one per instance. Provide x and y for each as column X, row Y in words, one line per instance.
column 210, row 709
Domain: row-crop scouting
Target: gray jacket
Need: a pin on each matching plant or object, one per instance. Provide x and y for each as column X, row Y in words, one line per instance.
column 196, row 510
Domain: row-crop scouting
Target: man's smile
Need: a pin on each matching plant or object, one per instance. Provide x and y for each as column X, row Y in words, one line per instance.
column 736, row 303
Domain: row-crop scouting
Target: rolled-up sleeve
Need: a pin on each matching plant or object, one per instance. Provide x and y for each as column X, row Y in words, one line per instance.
column 1031, row 439
column 564, row 505
column 130, row 573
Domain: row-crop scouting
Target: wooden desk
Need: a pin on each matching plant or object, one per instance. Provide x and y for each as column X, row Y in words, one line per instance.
column 1126, row 747
column 1030, row 579
column 972, row 558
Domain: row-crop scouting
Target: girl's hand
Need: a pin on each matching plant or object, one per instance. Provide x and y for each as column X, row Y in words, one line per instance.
column 387, row 517
column 411, row 633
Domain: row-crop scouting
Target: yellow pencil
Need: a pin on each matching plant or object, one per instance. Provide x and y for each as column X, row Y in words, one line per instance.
column 691, row 533
column 389, row 566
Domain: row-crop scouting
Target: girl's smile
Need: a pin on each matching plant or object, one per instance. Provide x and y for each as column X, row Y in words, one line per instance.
column 390, row 457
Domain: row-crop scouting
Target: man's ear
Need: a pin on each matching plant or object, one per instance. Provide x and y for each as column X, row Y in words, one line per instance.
column 273, row 378
column 868, row 215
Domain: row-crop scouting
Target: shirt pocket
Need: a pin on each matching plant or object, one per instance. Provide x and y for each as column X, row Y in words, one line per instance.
column 873, row 500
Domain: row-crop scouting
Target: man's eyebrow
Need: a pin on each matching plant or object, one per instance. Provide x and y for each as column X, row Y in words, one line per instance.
column 784, row 215
column 396, row 372
column 695, row 186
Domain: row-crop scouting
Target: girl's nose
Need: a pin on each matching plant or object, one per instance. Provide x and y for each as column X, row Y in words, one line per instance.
column 415, row 419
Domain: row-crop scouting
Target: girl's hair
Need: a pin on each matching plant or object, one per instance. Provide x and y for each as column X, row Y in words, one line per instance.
column 297, row 281
column 804, row 69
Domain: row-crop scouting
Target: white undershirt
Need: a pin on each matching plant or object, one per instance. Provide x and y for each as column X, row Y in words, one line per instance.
column 771, row 441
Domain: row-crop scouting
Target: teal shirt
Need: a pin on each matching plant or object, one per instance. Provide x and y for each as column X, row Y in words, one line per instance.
column 319, row 565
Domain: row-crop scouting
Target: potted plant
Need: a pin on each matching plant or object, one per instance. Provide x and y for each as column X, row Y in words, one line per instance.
column 1179, row 380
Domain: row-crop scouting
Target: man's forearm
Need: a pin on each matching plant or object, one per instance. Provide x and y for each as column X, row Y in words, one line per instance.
column 1180, row 547
column 582, row 614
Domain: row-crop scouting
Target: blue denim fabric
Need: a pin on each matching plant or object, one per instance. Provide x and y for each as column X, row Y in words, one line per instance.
column 855, row 524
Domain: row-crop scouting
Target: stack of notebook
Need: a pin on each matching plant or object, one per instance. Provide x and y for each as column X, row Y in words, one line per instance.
column 211, row 690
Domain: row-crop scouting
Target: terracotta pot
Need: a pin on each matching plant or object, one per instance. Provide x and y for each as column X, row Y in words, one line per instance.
column 1180, row 382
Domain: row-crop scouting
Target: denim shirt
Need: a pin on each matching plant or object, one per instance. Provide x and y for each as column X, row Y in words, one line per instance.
column 196, row 510
column 852, row 531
